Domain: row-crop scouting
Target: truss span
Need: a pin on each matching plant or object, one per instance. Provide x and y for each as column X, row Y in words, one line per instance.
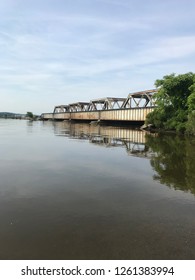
column 141, row 99
column 134, row 107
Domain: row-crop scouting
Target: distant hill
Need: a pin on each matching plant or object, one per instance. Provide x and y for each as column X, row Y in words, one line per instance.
column 11, row 115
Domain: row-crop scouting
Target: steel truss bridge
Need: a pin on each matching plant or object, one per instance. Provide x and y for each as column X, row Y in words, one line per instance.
column 134, row 107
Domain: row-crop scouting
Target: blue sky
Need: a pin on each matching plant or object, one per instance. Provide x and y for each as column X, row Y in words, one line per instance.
column 56, row 52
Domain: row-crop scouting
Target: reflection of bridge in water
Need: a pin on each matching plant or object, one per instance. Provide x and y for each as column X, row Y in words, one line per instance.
column 133, row 108
column 131, row 139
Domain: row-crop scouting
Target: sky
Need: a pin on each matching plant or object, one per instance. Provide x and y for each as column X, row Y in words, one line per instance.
column 55, row 52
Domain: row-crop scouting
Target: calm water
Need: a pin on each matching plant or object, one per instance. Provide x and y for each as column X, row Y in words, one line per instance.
column 75, row 191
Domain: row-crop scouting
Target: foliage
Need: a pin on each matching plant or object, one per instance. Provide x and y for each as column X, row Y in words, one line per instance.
column 191, row 100
column 29, row 115
column 175, row 101
column 190, row 125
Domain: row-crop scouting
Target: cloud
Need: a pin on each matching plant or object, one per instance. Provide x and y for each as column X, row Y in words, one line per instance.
column 163, row 49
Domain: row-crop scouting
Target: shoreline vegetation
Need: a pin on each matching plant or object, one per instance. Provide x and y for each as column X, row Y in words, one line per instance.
column 175, row 101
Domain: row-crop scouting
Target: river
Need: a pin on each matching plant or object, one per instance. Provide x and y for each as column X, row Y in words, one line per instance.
column 80, row 191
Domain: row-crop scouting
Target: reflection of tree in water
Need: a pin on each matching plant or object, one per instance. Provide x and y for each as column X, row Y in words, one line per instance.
column 174, row 161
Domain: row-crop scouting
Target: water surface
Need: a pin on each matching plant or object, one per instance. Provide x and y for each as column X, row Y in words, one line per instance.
column 79, row 191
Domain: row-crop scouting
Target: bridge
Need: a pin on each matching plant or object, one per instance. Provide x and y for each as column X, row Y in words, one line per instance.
column 133, row 108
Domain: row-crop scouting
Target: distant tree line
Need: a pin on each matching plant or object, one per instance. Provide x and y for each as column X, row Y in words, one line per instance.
column 9, row 115
column 175, row 100
column 28, row 115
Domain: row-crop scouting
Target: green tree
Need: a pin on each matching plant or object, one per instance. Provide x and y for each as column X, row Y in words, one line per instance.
column 190, row 125
column 175, row 101
column 29, row 115
column 191, row 98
